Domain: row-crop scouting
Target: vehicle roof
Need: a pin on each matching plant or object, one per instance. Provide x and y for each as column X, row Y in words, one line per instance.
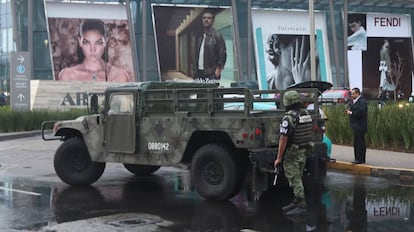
column 159, row 85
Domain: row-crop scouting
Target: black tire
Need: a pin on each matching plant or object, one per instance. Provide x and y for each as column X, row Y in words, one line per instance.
column 214, row 172
column 141, row 170
column 73, row 164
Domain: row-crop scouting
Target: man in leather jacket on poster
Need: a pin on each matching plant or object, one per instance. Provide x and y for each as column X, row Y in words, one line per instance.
column 210, row 51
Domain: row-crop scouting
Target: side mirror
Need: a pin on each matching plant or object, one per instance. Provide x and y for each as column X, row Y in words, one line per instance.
column 94, row 104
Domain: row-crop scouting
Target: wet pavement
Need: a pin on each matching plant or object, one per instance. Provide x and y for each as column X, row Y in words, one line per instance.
column 32, row 198
column 166, row 201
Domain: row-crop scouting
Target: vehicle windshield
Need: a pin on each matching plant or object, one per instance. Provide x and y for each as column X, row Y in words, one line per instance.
column 332, row 94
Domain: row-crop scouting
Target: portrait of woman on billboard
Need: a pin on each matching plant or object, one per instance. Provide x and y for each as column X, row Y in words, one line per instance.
column 92, row 56
column 387, row 66
column 88, row 47
column 289, row 55
column 282, row 48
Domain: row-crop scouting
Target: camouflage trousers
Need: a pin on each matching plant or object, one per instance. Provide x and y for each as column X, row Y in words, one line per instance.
column 293, row 164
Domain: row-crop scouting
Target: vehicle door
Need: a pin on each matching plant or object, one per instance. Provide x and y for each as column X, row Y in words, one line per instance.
column 119, row 124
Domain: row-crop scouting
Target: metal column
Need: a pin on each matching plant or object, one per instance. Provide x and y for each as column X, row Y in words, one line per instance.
column 133, row 43
column 249, row 40
column 144, row 40
column 345, row 31
column 239, row 76
column 334, row 40
column 312, row 40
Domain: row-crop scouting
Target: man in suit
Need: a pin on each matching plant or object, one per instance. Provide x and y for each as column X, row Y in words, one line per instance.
column 358, row 114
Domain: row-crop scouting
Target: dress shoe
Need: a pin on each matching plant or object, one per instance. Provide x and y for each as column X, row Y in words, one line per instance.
column 356, row 162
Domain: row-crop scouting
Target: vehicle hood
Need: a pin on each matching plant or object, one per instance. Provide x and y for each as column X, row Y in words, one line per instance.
column 320, row 85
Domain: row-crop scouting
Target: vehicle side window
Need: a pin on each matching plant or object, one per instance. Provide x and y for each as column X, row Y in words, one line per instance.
column 121, row 104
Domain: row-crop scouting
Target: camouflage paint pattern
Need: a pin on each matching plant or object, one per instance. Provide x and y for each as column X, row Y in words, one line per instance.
column 159, row 129
column 293, row 164
column 159, row 133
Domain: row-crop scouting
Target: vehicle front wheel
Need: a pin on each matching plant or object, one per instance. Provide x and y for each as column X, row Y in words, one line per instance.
column 141, row 170
column 73, row 164
column 214, row 172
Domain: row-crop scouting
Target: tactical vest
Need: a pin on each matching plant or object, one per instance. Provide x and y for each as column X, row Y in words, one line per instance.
column 302, row 127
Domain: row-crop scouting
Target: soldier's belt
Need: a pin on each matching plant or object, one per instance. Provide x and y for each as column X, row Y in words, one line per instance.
column 300, row 146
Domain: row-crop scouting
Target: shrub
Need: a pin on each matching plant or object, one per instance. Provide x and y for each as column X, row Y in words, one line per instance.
column 13, row 121
column 390, row 127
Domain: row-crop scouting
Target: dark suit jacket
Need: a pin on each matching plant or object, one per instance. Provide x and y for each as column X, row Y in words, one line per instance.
column 358, row 118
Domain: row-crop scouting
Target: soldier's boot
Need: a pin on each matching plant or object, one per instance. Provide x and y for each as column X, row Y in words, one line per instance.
column 289, row 207
column 298, row 210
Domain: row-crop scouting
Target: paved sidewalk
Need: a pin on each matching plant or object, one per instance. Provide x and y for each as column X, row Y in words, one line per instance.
column 18, row 135
column 380, row 163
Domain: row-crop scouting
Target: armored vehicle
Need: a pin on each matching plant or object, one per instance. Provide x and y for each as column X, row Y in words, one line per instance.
column 145, row 126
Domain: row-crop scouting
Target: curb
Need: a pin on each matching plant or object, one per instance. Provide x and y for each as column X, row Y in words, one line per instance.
column 19, row 135
column 404, row 175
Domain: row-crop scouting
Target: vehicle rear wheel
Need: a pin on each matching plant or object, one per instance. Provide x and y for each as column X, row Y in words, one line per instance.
column 73, row 164
column 215, row 173
column 141, row 170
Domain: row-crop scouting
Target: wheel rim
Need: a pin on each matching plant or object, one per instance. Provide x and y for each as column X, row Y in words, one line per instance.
column 78, row 162
column 213, row 173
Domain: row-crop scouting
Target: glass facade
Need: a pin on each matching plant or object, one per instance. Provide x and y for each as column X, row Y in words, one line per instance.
column 30, row 33
column 6, row 42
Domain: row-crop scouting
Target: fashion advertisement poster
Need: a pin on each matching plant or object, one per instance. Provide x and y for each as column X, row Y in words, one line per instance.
column 88, row 44
column 282, row 44
column 384, row 62
column 195, row 44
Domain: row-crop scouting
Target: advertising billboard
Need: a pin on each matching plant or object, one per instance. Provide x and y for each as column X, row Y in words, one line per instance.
column 195, row 43
column 88, row 44
column 380, row 53
column 282, row 44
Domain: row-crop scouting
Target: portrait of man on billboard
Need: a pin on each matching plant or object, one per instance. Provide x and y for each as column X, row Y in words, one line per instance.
column 86, row 48
column 194, row 43
column 357, row 34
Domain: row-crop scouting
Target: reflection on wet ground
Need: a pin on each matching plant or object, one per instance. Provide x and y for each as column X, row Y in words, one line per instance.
column 166, row 201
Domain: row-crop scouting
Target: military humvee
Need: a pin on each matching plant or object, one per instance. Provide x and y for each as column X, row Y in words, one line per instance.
column 148, row 125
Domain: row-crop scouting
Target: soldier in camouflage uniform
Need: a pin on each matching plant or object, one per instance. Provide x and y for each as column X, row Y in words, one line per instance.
column 295, row 135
